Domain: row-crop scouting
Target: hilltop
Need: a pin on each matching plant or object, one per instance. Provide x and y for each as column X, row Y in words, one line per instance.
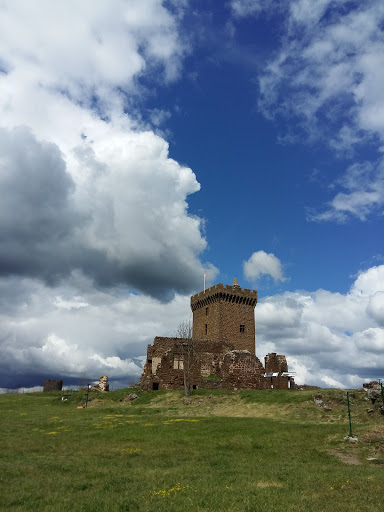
column 222, row 450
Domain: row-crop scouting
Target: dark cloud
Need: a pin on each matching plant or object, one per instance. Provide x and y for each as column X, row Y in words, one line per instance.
column 36, row 189
column 37, row 219
column 46, row 233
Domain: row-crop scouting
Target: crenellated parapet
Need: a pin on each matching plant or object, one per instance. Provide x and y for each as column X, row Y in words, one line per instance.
column 221, row 293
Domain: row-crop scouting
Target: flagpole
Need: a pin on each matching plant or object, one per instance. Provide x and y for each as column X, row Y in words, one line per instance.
column 204, row 281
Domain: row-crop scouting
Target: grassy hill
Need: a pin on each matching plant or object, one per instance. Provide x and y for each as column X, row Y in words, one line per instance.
column 219, row 451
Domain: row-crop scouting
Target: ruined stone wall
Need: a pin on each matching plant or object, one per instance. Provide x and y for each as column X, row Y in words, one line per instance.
column 216, row 364
column 225, row 313
column 147, row 370
column 155, row 354
column 159, row 367
column 160, row 346
column 103, row 383
column 280, row 382
column 53, row 385
column 275, row 363
column 166, row 376
column 277, row 382
column 243, row 370
column 207, row 357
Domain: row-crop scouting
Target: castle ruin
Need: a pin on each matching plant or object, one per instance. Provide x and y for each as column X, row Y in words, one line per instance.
column 221, row 353
column 53, row 385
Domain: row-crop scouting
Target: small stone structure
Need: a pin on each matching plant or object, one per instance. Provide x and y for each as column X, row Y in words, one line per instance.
column 53, row 385
column 371, row 385
column 373, row 390
column 102, row 384
column 222, row 347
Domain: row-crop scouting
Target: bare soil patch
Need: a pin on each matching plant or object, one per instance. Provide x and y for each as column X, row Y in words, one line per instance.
column 347, row 458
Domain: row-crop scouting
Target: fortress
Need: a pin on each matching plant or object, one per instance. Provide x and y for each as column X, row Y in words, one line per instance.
column 220, row 353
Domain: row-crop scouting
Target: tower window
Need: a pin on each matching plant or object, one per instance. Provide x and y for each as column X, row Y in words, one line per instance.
column 206, row 311
column 242, row 328
column 206, row 328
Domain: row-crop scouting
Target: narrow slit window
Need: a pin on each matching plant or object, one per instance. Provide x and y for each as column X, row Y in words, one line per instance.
column 206, row 328
column 242, row 328
column 206, row 311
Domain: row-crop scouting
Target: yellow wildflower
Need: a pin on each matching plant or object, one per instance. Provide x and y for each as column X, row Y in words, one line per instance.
column 168, row 492
column 168, row 422
column 131, row 450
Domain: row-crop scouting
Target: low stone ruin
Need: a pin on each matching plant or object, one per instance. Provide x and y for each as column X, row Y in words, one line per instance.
column 318, row 399
column 53, row 385
column 371, row 385
column 129, row 398
column 102, row 385
column 373, row 390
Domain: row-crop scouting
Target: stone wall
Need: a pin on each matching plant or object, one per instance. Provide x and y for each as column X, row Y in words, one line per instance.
column 168, row 372
column 242, row 370
column 215, row 365
column 53, row 385
column 103, row 383
column 275, row 363
column 277, row 382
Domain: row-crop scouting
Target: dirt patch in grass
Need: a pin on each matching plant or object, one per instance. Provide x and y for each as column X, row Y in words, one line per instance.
column 265, row 485
column 346, row 457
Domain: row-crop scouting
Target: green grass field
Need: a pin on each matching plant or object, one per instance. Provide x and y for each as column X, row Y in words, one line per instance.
column 224, row 451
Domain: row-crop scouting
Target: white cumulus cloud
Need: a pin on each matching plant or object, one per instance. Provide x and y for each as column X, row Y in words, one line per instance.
column 262, row 263
column 330, row 338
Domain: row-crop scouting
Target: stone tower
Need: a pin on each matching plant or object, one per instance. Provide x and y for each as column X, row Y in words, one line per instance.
column 226, row 314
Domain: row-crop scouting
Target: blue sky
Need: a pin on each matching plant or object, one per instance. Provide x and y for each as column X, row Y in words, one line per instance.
column 258, row 191
column 161, row 140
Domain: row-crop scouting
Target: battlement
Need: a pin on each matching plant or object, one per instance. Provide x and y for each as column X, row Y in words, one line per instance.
column 227, row 293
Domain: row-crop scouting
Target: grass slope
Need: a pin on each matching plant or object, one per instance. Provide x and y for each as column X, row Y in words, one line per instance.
column 223, row 451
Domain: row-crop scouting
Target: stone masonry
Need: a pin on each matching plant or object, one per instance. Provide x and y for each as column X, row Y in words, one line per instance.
column 226, row 313
column 102, row 385
column 277, row 364
column 53, row 385
column 223, row 344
